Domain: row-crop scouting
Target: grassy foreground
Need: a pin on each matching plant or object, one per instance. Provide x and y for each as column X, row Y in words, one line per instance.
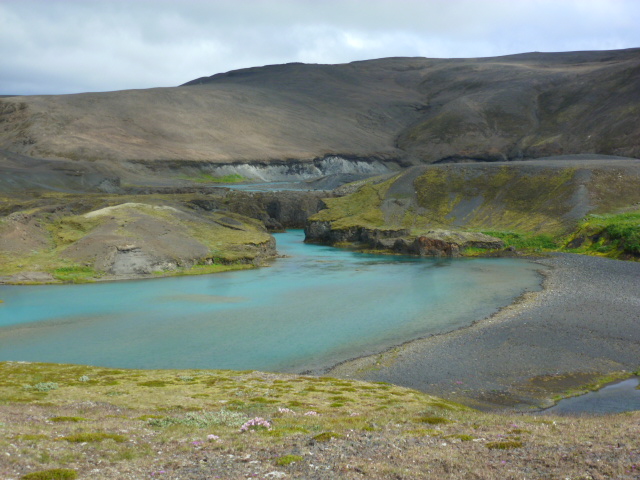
column 67, row 421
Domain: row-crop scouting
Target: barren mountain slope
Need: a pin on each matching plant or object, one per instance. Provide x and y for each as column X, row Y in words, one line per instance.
column 403, row 109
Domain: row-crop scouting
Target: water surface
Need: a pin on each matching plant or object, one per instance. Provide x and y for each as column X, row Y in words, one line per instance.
column 615, row 398
column 319, row 306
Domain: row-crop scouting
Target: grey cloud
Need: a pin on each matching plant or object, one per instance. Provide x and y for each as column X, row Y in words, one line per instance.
column 70, row 46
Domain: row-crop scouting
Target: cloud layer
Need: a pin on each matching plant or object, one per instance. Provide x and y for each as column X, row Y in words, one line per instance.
column 69, row 46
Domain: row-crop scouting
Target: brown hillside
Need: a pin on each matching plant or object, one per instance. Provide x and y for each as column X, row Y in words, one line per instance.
column 408, row 110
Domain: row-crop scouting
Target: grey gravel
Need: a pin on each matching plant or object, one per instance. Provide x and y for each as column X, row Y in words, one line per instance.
column 585, row 321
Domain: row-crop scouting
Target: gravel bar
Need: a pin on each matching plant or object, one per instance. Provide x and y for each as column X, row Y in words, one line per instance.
column 584, row 323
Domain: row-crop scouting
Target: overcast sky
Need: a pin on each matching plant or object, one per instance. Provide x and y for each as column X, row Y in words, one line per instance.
column 70, row 46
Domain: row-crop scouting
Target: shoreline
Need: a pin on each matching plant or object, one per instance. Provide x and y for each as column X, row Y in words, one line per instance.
column 528, row 353
column 521, row 300
column 539, row 347
column 233, row 267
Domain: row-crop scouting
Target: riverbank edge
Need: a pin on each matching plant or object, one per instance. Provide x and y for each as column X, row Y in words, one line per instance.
column 195, row 270
column 364, row 367
column 354, row 366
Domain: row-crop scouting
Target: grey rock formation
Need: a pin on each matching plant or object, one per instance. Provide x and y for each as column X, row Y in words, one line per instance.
column 277, row 210
column 433, row 243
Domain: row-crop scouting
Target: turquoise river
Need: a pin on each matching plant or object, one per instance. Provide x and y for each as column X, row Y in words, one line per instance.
column 310, row 310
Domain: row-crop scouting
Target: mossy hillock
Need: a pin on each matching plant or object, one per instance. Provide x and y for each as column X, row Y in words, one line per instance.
column 115, row 237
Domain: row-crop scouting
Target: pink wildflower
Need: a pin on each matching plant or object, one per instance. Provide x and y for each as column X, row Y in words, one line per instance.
column 286, row 410
column 254, row 424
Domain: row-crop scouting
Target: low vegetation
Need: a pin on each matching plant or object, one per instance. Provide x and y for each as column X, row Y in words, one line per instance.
column 526, row 241
column 360, row 208
column 104, row 423
column 532, row 212
column 53, row 474
column 71, row 238
column 208, row 178
column 614, row 235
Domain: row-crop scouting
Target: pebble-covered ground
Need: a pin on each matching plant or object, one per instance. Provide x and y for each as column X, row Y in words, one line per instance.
column 585, row 323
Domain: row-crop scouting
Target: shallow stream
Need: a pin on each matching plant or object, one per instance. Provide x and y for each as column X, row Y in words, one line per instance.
column 618, row 397
column 313, row 309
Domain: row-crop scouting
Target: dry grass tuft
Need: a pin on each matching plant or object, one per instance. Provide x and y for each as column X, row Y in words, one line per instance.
column 506, row 445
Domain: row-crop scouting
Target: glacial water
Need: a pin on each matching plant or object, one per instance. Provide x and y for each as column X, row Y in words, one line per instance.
column 317, row 307
column 618, row 397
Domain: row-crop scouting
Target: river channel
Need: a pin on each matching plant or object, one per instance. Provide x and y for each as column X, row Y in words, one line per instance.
column 308, row 311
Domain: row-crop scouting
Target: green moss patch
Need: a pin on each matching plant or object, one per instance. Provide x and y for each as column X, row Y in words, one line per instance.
column 326, row 436
column 154, row 383
column 614, row 235
column 54, row 474
column 526, row 241
column 67, row 419
column 463, row 437
column 75, row 274
column 32, row 437
column 433, row 420
column 287, row 460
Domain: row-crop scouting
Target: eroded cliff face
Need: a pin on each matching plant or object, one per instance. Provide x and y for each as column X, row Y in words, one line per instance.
column 429, row 243
column 413, row 211
column 276, row 210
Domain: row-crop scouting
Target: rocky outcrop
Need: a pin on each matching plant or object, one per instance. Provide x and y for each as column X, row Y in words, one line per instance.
column 544, row 196
column 322, row 232
column 433, row 243
column 276, row 210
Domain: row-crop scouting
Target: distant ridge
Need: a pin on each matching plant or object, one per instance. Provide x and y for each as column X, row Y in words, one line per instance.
column 399, row 110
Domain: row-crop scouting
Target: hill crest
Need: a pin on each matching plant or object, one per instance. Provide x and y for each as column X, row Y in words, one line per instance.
column 399, row 110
